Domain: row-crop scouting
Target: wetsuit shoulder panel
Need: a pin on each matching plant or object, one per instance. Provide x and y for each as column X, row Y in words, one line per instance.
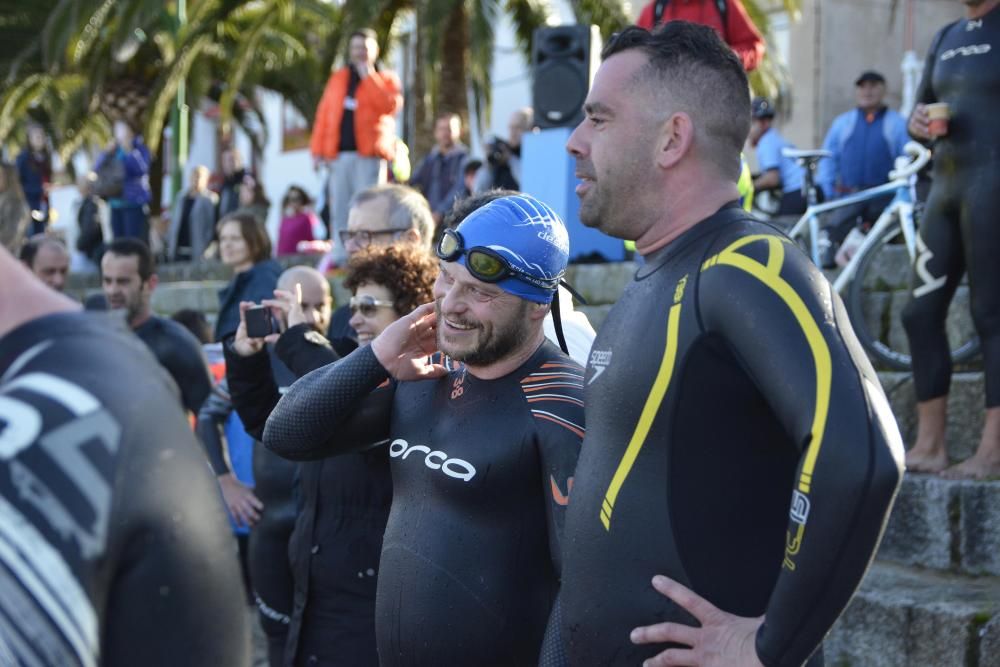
column 805, row 360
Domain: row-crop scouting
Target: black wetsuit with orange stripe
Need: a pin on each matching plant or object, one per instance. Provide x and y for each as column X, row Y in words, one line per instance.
column 481, row 474
column 738, row 441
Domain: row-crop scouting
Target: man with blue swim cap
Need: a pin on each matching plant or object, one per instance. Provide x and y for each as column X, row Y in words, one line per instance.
column 482, row 452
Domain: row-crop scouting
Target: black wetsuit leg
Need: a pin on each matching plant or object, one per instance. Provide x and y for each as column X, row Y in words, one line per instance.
column 982, row 240
column 937, row 271
column 957, row 235
column 270, row 571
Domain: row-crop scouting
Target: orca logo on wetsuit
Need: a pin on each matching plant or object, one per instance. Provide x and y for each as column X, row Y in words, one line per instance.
column 974, row 50
column 435, row 460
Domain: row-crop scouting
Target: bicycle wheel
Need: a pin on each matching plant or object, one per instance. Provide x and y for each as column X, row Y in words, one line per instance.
column 877, row 295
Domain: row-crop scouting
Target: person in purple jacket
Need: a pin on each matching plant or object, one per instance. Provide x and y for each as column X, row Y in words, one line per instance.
column 128, row 208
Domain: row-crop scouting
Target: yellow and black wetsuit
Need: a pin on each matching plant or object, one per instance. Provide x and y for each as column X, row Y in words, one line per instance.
column 737, row 441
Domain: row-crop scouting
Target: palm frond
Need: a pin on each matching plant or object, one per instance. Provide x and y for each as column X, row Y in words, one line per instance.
column 527, row 16
column 166, row 91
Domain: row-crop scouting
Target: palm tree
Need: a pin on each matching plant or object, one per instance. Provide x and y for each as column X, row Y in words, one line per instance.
column 126, row 59
column 456, row 43
column 771, row 78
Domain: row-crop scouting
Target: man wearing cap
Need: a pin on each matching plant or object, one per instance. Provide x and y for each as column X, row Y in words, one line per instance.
column 482, row 453
column 777, row 172
column 865, row 142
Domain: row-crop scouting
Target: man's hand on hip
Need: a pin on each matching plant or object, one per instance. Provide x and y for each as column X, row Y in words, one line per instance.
column 723, row 640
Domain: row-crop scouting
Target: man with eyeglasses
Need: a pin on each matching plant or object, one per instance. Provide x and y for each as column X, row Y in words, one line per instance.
column 381, row 215
column 482, row 454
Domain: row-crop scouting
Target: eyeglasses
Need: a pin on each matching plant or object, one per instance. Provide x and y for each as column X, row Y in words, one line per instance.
column 487, row 264
column 368, row 305
column 364, row 239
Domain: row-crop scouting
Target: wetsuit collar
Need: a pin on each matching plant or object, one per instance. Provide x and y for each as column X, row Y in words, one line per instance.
column 729, row 213
column 44, row 328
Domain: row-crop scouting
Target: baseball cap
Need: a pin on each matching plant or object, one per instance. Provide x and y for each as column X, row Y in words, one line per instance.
column 870, row 75
column 761, row 108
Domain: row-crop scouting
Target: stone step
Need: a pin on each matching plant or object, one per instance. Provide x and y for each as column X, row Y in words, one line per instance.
column 202, row 295
column 966, row 410
column 906, row 617
column 600, row 284
column 945, row 525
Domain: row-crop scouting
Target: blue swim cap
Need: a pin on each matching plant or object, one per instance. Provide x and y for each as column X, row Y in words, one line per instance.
column 527, row 234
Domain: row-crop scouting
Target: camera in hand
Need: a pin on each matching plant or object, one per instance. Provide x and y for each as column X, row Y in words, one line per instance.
column 498, row 156
column 259, row 322
column 498, row 152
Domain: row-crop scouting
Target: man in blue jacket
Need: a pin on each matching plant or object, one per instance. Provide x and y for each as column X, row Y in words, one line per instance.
column 865, row 142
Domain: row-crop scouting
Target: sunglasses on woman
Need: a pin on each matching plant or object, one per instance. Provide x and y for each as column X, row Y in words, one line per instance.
column 367, row 305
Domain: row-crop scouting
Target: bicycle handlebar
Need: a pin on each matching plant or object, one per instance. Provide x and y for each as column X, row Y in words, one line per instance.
column 920, row 157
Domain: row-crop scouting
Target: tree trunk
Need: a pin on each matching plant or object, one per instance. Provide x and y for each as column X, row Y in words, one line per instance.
column 421, row 139
column 453, row 97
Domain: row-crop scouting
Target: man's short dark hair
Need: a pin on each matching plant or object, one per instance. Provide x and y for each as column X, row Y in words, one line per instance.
column 703, row 77
column 31, row 247
column 129, row 247
column 463, row 208
column 472, row 166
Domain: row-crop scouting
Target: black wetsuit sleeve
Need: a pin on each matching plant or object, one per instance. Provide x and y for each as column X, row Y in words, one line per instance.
column 560, row 435
column 789, row 331
column 336, row 409
column 301, row 355
column 213, row 414
column 252, row 387
column 186, row 363
column 559, row 419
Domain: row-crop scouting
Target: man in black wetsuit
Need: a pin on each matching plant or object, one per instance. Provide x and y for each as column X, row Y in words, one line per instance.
column 958, row 233
column 738, row 440
column 113, row 543
column 128, row 278
column 482, row 455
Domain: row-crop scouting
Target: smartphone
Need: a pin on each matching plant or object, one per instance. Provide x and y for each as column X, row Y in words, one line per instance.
column 259, row 323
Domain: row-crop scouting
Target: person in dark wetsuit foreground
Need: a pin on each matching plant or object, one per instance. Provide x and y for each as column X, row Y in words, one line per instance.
column 958, row 234
column 738, row 440
column 113, row 544
column 128, row 278
column 482, row 455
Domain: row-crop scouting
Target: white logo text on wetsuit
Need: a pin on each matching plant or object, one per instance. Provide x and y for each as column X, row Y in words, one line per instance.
column 435, row 460
column 974, row 50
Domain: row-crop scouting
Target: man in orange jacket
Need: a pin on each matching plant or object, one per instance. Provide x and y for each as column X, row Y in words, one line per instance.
column 727, row 17
column 354, row 131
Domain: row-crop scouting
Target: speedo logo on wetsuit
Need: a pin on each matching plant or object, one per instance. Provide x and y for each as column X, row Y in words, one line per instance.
column 599, row 361
column 435, row 460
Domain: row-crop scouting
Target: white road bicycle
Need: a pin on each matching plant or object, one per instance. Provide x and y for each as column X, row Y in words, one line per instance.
column 890, row 247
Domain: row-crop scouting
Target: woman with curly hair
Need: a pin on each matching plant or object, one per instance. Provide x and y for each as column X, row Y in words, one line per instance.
column 387, row 282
